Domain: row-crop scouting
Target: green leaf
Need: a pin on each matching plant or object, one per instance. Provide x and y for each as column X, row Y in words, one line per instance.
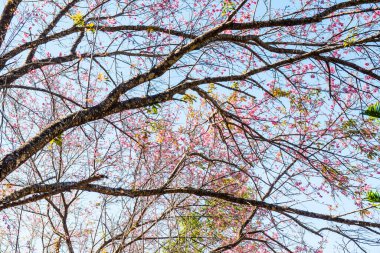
column 350, row 39
column 211, row 87
column 78, row 19
column 278, row 93
column 91, row 27
column 235, row 85
column 153, row 109
column 155, row 126
column 190, row 227
column 57, row 140
column 189, row 98
column 227, row 7
column 373, row 197
column 349, row 124
column 373, row 110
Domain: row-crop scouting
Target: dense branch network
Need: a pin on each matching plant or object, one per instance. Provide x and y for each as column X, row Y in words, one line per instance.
column 184, row 113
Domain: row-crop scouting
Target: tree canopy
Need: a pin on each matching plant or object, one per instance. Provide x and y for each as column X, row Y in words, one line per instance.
column 189, row 126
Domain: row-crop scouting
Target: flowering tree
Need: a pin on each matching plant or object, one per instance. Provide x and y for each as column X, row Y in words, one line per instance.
column 189, row 126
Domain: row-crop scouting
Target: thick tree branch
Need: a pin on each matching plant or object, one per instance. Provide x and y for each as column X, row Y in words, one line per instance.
column 53, row 189
column 301, row 21
column 6, row 17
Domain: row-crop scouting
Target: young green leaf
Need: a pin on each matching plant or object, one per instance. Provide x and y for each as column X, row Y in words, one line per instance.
column 57, row 140
column 189, row 98
column 227, row 7
column 153, row 109
column 373, row 197
column 373, row 110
